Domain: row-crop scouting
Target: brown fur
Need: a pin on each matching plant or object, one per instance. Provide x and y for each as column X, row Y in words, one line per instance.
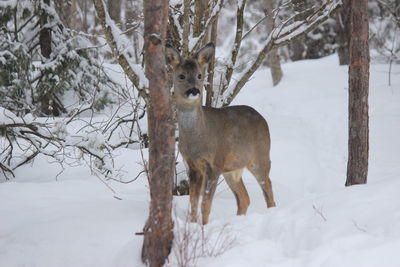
column 217, row 141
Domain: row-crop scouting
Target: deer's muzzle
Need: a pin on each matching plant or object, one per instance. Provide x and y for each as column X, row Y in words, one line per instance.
column 193, row 93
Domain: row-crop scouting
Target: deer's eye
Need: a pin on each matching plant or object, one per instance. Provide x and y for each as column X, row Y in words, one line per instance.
column 182, row 77
column 199, row 76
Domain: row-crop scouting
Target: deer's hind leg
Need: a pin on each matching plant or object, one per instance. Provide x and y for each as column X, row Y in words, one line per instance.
column 235, row 183
column 261, row 172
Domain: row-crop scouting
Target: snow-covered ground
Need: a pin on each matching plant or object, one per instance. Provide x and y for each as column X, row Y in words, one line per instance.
column 75, row 220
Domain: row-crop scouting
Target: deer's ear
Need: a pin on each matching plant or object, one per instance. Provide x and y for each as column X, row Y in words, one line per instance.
column 204, row 55
column 172, row 56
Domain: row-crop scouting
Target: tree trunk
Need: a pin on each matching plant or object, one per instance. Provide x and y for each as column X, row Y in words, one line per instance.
column 357, row 166
column 200, row 8
column 298, row 48
column 210, row 77
column 85, row 8
column 46, row 102
column 158, row 234
column 114, row 9
column 343, row 32
column 273, row 60
column 45, row 33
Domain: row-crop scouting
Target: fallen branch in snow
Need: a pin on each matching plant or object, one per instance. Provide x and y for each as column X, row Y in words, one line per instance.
column 193, row 241
column 127, row 182
column 358, row 227
column 319, row 212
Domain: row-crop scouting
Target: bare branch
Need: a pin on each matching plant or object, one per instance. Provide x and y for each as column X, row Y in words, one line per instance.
column 186, row 27
column 280, row 36
column 236, row 45
column 123, row 60
column 213, row 16
column 319, row 212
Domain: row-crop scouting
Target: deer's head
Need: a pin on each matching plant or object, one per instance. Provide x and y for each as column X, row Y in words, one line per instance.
column 188, row 73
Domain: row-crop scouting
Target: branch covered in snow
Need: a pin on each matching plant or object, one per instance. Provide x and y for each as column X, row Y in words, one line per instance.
column 68, row 140
column 215, row 11
column 237, row 43
column 121, row 48
column 287, row 31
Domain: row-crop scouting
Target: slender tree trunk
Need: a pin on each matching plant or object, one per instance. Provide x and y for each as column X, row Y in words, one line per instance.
column 186, row 28
column 200, row 8
column 46, row 102
column 85, row 25
column 114, row 9
column 158, row 233
column 45, row 33
column 343, row 32
column 357, row 166
column 210, row 78
column 298, row 47
column 273, row 60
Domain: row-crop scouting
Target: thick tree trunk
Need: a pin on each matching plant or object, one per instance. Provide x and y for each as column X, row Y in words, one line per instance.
column 357, row 166
column 273, row 60
column 158, row 233
column 343, row 32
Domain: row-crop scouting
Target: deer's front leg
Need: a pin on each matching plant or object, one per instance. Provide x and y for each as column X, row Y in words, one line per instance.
column 211, row 181
column 196, row 179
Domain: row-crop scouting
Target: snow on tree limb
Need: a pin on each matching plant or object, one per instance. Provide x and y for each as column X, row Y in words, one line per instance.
column 194, row 46
column 58, row 139
column 237, row 43
column 121, row 48
column 288, row 31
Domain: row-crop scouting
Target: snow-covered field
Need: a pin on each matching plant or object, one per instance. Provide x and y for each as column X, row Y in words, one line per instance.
column 75, row 220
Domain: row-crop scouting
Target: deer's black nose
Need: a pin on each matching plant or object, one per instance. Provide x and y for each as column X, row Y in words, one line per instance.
column 193, row 92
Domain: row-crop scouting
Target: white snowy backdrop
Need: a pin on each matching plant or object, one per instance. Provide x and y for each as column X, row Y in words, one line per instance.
column 73, row 219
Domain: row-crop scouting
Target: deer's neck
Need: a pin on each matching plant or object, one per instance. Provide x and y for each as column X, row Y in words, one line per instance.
column 190, row 119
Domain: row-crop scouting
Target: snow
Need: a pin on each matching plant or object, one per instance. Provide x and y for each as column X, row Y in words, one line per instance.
column 75, row 220
column 125, row 47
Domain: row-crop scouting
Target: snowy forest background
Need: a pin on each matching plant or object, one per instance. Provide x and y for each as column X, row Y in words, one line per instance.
column 69, row 103
column 55, row 64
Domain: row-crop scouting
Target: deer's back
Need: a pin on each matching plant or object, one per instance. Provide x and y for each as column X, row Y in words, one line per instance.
column 239, row 135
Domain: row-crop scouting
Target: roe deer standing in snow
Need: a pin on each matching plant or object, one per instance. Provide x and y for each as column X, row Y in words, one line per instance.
column 215, row 141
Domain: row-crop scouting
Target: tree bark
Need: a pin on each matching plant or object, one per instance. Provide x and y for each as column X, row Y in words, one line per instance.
column 186, row 28
column 210, row 77
column 343, row 32
column 312, row 21
column 119, row 55
column 45, row 33
column 158, row 234
column 47, row 106
column 273, row 59
column 114, row 9
column 357, row 166
column 200, row 8
column 298, row 48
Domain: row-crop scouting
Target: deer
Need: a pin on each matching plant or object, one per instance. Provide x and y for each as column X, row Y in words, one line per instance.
column 217, row 141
